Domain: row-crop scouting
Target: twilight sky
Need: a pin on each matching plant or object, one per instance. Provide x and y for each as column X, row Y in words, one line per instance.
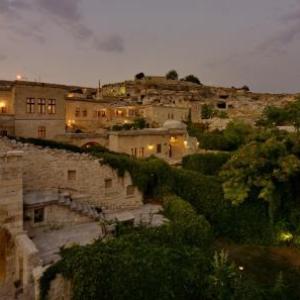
column 223, row 42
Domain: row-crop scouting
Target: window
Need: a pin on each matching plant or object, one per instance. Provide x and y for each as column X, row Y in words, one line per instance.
column 42, row 132
column 134, row 152
column 221, row 105
column 84, row 113
column 71, row 175
column 51, row 106
column 77, row 112
column 158, row 148
column 103, row 113
column 108, row 183
column 130, row 190
column 141, row 152
column 3, row 132
column 3, row 110
column 39, row 215
column 42, row 106
column 30, row 103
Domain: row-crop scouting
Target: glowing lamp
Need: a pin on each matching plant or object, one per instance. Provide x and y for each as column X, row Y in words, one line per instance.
column 150, row 147
column 172, row 139
column 285, row 236
column 19, row 77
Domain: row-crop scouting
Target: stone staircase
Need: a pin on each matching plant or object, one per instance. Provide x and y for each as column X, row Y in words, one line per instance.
column 75, row 203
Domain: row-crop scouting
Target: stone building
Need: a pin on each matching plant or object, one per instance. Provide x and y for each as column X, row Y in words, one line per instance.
column 32, row 109
column 170, row 142
column 157, row 115
column 58, row 197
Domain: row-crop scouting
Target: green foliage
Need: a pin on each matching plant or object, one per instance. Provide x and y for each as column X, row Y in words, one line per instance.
column 139, row 76
column 203, row 192
column 236, row 133
column 224, row 276
column 171, row 258
column 138, row 123
column 276, row 116
column 193, row 79
column 261, row 166
column 172, row 75
column 207, row 163
column 207, row 111
column 49, row 144
column 273, row 115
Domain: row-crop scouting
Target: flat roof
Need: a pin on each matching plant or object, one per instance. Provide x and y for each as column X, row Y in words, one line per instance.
column 148, row 131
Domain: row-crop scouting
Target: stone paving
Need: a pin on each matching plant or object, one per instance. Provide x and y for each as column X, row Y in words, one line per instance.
column 149, row 214
column 49, row 241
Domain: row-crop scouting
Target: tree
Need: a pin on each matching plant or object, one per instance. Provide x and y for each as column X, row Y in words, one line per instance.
column 139, row 123
column 293, row 110
column 207, row 111
column 192, row 78
column 139, row 76
column 261, row 167
column 236, row 134
column 273, row 115
column 172, row 75
column 246, row 88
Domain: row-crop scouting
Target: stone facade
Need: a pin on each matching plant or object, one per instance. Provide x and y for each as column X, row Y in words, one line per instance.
column 170, row 144
column 157, row 115
column 18, row 255
column 63, row 185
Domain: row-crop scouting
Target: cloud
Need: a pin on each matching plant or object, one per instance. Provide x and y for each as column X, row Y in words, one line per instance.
column 113, row 43
column 290, row 32
column 68, row 15
column 65, row 14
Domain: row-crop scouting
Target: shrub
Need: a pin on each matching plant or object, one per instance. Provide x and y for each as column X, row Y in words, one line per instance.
column 207, row 164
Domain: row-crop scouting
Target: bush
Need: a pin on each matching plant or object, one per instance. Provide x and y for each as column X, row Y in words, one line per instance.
column 204, row 193
column 155, row 263
column 207, row 164
column 214, row 140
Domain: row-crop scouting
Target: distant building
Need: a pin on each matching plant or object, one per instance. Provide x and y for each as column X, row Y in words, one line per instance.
column 170, row 142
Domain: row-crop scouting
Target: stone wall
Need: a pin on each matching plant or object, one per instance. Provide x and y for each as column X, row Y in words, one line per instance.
column 80, row 174
column 55, row 216
column 11, row 201
column 18, row 255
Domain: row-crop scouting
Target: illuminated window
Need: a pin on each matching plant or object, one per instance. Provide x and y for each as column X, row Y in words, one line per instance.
column 51, row 106
column 108, row 183
column 42, row 106
column 39, row 215
column 42, row 132
column 71, row 175
column 30, row 103
column 103, row 113
column 77, row 112
column 130, row 190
